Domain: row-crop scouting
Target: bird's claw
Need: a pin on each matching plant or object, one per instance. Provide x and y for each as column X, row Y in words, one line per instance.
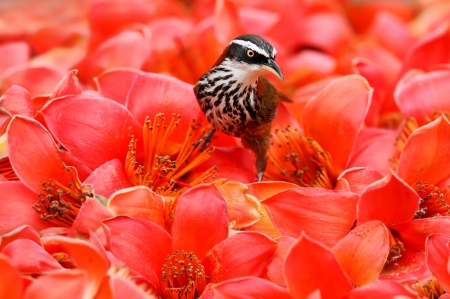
column 206, row 141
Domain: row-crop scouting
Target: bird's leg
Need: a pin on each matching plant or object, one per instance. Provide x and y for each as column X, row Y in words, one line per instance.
column 259, row 146
column 206, row 141
column 261, row 163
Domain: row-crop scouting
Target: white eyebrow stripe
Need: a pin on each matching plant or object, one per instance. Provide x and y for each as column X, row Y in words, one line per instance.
column 274, row 52
column 250, row 46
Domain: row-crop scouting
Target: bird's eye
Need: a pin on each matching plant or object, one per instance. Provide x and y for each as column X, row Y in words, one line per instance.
column 250, row 53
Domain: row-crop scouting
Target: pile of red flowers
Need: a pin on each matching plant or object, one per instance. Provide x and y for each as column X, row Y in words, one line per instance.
column 104, row 195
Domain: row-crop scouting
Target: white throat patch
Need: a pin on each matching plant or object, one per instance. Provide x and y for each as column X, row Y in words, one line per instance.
column 251, row 46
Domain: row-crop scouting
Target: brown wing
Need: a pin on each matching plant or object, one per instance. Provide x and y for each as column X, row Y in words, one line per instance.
column 269, row 97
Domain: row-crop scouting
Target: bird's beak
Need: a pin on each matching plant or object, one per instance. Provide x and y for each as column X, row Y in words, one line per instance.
column 272, row 67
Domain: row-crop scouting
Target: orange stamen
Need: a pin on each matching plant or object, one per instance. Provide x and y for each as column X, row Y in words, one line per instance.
column 300, row 160
column 59, row 204
column 431, row 289
column 162, row 173
column 183, row 276
column 434, row 202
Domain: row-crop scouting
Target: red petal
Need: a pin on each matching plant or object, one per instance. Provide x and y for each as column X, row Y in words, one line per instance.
column 391, row 32
column 243, row 209
column 201, row 220
column 84, row 255
column 16, row 202
column 256, row 20
column 37, row 80
column 363, row 252
column 105, row 125
column 22, row 232
column 227, row 25
column 33, row 154
column 374, row 74
column 13, row 53
column 115, row 83
column 69, row 159
column 233, row 163
column 92, row 212
column 432, row 165
column 389, row 200
column 329, row 32
column 303, row 94
column 106, row 17
column 17, row 100
column 249, row 287
column 168, row 32
column 437, row 254
column 108, row 178
column 416, row 86
column 138, row 202
column 68, row 85
column 12, row 284
column 416, row 231
column 358, row 178
column 30, row 257
column 334, row 116
column 265, row 226
column 374, row 148
column 123, row 288
column 97, row 243
column 244, row 254
column 141, row 244
column 70, row 286
column 275, row 267
column 307, row 209
column 410, row 266
column 264, row 190
column 433, row 48
column 381, row 289
column 310, row 266
column 134, row 41
column 151, row 94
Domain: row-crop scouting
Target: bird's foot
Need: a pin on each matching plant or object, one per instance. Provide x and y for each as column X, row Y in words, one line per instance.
column 260, row 176
column 206, row 140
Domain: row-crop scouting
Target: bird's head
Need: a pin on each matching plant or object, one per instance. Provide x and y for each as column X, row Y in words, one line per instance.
column 250, row 56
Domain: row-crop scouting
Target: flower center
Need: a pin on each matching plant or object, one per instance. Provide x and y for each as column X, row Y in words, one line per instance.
column 396, row 248
column 300, row 160
column 183, row 276
column 430, row 289
column 162, row 172
column 434, row 202
column 59, row 204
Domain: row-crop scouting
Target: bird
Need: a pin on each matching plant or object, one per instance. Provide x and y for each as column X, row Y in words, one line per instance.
column 237, row 99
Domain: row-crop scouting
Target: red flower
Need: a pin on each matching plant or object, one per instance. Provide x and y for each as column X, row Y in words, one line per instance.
column 56, row 191
column 331, row 123
column 198, row 244
column 393, row 202
column 160, row 151
column 311, row 271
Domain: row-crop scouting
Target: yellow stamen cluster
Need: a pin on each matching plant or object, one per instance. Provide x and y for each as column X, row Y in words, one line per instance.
column 161, row 171
column 183, row 276
column 300, row 160
column 431, row 289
